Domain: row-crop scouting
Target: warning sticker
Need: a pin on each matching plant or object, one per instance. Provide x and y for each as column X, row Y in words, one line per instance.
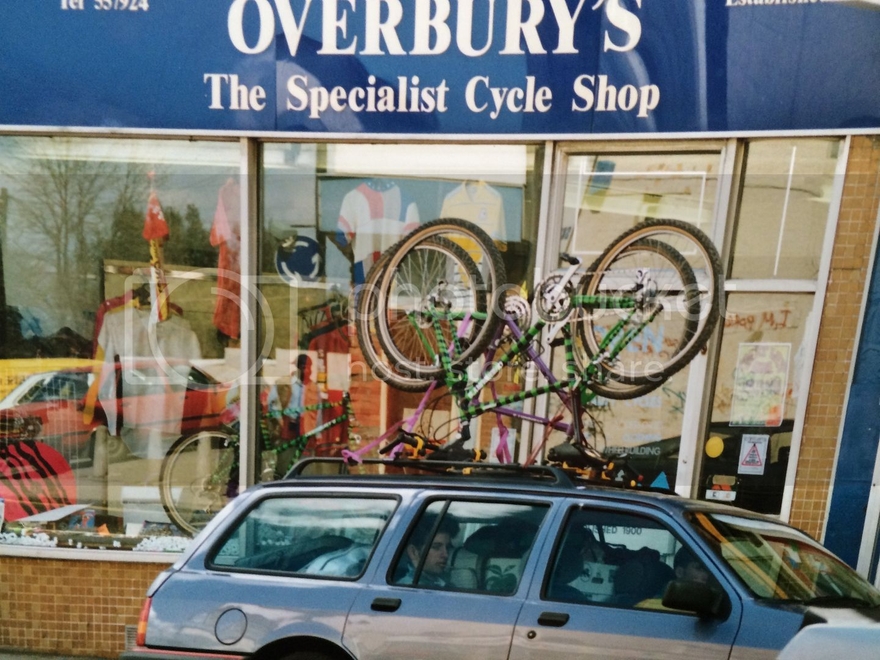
column 753, row 454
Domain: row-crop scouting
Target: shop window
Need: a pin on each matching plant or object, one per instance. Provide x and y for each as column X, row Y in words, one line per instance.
column 760, row 365
column 784, row 208
column 468, row 546
column 329, row 211
column 111, row 352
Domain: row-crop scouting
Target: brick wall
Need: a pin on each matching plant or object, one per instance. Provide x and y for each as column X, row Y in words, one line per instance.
column 70, row 607
column 839, row 325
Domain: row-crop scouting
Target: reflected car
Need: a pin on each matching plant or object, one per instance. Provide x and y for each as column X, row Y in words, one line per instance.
column 495, row 562
column 145, row 404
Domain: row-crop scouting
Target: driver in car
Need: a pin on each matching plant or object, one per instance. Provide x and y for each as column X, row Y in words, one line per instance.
column 435, row 566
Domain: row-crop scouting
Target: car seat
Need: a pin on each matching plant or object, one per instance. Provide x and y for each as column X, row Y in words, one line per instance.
column 640, row 577
column 501, row 551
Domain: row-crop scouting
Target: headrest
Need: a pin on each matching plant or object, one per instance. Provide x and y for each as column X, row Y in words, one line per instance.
column 506, row 540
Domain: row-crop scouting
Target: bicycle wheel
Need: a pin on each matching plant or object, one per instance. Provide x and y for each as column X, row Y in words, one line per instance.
column 605, row 383
column 368, row 334
column 198, row 476
column 649, row 304
column 446, row 273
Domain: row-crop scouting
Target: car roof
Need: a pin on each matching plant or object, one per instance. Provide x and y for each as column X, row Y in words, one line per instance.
column 500, row 478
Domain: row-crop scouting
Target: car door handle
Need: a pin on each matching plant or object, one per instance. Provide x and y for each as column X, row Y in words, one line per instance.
column 385, row 604
column 555, row 619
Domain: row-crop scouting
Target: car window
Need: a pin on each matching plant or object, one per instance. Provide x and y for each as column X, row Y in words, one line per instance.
column 778, row 562
column 308, row 536
column 468, row 546
column 619, row 560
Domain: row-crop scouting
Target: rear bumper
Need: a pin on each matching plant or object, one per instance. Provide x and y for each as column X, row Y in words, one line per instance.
column 143, row 653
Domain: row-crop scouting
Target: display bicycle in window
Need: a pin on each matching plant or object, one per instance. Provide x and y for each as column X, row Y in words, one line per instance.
column 437, row 303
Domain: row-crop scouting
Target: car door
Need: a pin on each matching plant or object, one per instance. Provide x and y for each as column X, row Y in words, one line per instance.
column 600, row 593
column 289, row 566
column 454, row 586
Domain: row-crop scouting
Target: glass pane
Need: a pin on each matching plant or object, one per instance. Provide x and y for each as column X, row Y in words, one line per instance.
column 756, row 396
column 114, row 251
column 307, row 536
column 784, row 208
column 620, row 560
column 329, row 213
column 606, row 195
column 469, row 546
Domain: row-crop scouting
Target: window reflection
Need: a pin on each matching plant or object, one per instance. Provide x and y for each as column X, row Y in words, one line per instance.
column 605, row 195
column 114, row 329
column 784, row 208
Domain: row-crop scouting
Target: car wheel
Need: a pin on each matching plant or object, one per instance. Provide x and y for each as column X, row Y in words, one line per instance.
column 308, row 655
column 116, row 450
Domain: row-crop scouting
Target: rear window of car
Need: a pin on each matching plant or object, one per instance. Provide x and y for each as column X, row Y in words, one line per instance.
column 313, row 536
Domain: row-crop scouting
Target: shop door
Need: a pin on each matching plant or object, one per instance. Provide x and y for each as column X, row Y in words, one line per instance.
column 605, row 195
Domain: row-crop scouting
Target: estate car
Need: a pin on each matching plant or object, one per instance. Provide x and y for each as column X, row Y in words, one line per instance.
column 489, row 562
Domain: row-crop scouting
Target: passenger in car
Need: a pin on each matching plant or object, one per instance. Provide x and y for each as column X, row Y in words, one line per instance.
column 687, row 567
column 437, row 552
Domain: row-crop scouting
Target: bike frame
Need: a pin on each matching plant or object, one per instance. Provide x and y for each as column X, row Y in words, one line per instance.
column 573, row 389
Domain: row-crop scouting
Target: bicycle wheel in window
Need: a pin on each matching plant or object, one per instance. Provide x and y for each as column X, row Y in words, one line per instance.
column 198, row 477
column 368, row 334
column 649, row 304
column 439, row 293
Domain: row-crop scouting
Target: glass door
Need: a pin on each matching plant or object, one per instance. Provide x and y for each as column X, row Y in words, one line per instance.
column 604, row 195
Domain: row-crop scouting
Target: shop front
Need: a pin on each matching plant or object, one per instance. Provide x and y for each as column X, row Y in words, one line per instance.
column 192, row 200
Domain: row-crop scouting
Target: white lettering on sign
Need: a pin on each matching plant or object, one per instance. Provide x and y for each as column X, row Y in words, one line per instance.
column 481, row 96
column 608, row 97
column 381, row 20
column 226, row 87
column 408, row 96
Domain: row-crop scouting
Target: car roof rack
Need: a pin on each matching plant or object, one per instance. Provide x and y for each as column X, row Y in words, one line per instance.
column 552, row 475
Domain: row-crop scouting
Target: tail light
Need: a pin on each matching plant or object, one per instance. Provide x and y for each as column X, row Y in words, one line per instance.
column 141, row 638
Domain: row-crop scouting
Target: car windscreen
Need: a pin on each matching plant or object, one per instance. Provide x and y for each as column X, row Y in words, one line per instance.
column 777, row 562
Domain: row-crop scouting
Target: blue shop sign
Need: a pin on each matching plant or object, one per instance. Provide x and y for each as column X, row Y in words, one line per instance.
column 507, row 67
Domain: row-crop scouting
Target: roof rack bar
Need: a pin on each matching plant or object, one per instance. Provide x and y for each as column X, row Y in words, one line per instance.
column 560, row 477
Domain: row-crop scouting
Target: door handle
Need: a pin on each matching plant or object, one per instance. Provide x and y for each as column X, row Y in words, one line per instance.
column 385, row 604
column 554, row 619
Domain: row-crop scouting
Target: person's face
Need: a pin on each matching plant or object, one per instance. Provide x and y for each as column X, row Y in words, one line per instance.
column 693, row 571
column 305, row 373
column 438, row 554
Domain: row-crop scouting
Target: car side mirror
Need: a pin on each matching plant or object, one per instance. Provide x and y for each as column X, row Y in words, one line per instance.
column 702, row 599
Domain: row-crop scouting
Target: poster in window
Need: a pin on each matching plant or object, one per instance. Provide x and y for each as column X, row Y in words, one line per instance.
column 760, row 384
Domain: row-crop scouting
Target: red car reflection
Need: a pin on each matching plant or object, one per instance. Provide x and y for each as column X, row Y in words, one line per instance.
column 145, row 405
